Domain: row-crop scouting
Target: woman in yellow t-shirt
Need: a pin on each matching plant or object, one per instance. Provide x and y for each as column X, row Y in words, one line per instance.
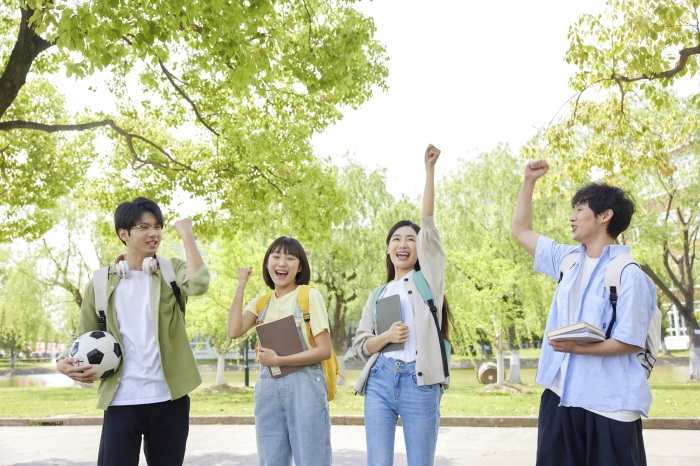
column 292, row 419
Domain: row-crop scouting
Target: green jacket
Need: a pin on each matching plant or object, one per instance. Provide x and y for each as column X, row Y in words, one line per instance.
column 176, row 356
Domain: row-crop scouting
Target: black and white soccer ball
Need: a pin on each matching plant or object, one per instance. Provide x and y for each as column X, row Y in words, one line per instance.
column 99, row 349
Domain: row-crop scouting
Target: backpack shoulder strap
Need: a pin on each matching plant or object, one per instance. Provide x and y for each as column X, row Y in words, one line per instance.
column 168, row 273
column 99, row 284
column 567, row 263
column 613, row 275
column 429, row 299
column 423, row 288
column 303, row 301
column 375, row 296
column 261, row 306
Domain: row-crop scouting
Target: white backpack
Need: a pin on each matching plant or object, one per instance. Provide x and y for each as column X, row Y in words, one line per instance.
column 646, row 357
column 99, row 283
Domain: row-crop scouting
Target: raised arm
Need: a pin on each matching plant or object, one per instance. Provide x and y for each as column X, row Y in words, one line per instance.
column 431, row 155
column 238, row 323
column 521, row 226
column 193, row 257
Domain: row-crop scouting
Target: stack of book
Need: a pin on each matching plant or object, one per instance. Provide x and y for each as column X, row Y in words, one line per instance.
column 580, row 332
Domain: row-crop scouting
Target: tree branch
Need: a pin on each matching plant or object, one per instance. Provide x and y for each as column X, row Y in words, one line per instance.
column 179, row 90
column 682, row 60
column 129, row 137
column 662, row 286
column 27, row 47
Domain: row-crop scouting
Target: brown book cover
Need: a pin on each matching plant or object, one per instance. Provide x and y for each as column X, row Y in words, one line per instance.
column 580, row 331
column 282, row 337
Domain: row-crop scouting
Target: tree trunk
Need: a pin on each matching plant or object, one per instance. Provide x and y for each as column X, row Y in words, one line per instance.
column 500, row 363
column 13, row 358
column 664, row 349
column 514, row 374
column 341, row 368
column 220, row 368
column 28, row 46
column 695, row 364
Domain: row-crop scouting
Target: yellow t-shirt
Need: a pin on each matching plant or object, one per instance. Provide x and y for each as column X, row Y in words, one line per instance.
column 285, row 306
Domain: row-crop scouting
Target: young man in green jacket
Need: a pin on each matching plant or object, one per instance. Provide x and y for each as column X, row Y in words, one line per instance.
column 147, row 395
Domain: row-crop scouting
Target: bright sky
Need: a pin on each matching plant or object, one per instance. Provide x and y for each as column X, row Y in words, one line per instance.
column 464, row 76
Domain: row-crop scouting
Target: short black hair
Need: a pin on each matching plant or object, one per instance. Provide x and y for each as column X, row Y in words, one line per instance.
column 287, row 245
column 600, row 197
column 128, row 213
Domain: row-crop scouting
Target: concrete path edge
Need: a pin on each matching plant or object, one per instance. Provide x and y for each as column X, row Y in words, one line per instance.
column 355, row 420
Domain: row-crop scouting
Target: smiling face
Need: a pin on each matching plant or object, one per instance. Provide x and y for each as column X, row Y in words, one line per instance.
column 586, row 226
column 283, row 269
column 402, row 250
column 142, row 242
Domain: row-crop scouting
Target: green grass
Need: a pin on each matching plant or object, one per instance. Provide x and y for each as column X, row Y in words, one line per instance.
column 673, row 395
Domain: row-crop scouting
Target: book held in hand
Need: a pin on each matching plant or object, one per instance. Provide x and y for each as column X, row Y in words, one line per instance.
column 282, row 337
column 388, row 311
column 581, row 332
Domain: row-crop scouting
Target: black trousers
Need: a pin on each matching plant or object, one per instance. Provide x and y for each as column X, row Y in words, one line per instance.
column 163, row 426
column 577, row 437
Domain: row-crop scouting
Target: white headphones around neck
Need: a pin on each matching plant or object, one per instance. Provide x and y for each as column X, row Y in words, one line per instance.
column 149, row 266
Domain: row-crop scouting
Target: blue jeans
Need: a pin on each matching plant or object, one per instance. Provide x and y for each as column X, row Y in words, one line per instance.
column 292, row 419
column 392, row 390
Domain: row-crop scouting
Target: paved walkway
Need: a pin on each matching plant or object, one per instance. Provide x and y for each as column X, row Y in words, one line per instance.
column 212, row 445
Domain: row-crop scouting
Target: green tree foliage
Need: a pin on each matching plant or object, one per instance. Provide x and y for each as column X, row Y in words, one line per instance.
column 207, row 316
column 492, row 290
column 631, row 124
column 23, row 319
column 214, row 99
column 627, row 61
column 349, row 262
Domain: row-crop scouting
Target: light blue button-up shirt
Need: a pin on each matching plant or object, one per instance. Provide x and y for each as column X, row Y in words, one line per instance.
column 603, row 383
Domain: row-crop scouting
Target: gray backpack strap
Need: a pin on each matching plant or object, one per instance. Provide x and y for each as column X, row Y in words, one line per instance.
column 567, row 263
column 613, row 275
column 168, row 273
column 99, row 285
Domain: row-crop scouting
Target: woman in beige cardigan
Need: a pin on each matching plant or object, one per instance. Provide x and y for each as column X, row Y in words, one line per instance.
column 407, row 381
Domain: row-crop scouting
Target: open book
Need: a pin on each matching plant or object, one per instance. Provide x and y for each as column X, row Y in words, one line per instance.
column 282, row 336
column 581, row 332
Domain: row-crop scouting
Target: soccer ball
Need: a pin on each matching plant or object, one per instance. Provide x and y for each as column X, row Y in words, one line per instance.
column 99, row 349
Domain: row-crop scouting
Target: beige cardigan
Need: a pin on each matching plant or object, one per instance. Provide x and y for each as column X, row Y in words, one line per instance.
column 429, row 368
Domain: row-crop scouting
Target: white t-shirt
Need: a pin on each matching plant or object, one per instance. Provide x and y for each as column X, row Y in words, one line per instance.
column 410, row 348
column 558, row 383
column 142, row 379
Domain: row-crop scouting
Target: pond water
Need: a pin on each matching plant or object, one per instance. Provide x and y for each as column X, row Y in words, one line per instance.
column 37, row 380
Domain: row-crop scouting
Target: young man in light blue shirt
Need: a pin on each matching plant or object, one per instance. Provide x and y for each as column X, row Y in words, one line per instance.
column 595, row 394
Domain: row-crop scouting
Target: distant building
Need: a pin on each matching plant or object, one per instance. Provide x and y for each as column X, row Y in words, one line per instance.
column 676, row 337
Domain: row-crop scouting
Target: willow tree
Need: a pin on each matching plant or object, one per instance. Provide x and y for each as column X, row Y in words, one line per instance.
column 23, row 319
column 631, row 118
column 207, row 316
column 213, row 99
column 348, row 263
column 490, row 282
